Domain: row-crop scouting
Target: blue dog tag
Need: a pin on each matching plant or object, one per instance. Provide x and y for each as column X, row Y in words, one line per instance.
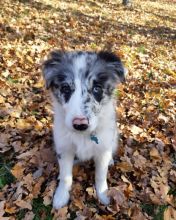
column 94, row 138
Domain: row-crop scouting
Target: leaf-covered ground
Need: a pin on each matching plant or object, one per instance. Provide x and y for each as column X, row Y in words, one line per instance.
column 143, row 179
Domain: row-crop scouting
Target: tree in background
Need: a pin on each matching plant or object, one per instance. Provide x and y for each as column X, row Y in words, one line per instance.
column 126, row 2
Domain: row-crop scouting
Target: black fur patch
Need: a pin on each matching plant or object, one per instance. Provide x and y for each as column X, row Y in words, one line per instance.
column 97, row 91
column 108, row 57
column 115, row 60
column 59, row 156
column 66, row 91
column 86, row 73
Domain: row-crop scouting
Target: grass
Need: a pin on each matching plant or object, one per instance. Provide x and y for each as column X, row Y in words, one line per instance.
column 11, row 80
column 39, row 209
column 116, row 93
column 21, row 214
column 141, row 49
column 5, row 175
column 172, row 191
column 155, row 211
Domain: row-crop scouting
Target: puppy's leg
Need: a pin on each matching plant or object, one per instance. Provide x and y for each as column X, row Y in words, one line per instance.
column 61, row 196
column 101, row 168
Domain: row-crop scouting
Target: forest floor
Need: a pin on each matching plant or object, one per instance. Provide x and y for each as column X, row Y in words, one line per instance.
column 143, row 179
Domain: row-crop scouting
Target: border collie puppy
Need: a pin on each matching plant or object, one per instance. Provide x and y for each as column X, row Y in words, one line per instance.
column 81, row 85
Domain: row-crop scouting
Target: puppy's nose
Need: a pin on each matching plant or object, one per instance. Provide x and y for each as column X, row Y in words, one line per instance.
column 80, row 123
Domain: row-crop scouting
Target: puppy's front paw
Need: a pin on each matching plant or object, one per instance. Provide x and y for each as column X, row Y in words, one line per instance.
column 61, row 198
column 104, row 199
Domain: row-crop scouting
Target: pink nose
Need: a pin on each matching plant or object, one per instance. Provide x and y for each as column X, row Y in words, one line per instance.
column 80, row 123
column 80, row 120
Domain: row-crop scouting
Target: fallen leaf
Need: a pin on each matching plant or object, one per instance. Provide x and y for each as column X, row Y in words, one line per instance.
column 10, row 210
column 37, row 187
column 23, row 204
column 137, row 214
column 18, row 170
column 136, row 130
column 170, row 213
column 29, row 216
column 2, row 205
column 139, row 161
column 78, row 203
column 61, row 213
column 118, row 197
column 154, row 153
column 124, row 166
column 49, row 192
column 90, row 191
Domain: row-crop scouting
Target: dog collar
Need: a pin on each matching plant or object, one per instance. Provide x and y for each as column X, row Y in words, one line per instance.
column 94, row 138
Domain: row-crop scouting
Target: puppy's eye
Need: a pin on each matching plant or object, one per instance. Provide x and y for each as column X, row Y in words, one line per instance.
column 97, row 90
column 65, row 88
column 54, row 85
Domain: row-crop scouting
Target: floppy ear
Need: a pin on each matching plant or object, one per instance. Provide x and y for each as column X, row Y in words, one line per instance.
column 114, row 63
column 50, row 67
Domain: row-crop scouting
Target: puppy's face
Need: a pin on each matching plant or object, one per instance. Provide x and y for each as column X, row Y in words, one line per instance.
column 82, row 83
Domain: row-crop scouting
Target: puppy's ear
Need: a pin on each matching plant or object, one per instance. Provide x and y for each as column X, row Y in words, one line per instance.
column 114, row 63
column 50, row 67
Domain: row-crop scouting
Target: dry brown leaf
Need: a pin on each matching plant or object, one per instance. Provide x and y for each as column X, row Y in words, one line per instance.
column 155, row 200
column 28, row 153
column 39, row 84
column 170, row 199
column 28, row 181
column 90, row 191
column 78, row 203
column 124, row 166
column 88, row 212
column 1, row 99
column 170, row 213
column 61, row 214
column 18, row 170
column 38, row 126
column 118, row 197
column 136, row 130
column 24, row 204
column 137, row 214
column 80, row 217
column 23, row 124
column 47, row 155
column 49, row 191
column 129, row 188
column 4, row 139
column 139, row 161
column 9, row 209
column 38, row 173
column 173, row 175
column 2, row 211
column 154, row 153
column 37, row 187
column 29, row 216
column 108, row 217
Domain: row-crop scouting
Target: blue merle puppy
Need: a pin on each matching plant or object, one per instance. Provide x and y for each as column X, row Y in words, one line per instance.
column 81, row 85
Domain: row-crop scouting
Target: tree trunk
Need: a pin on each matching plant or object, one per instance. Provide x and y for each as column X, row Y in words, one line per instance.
column 126, row 2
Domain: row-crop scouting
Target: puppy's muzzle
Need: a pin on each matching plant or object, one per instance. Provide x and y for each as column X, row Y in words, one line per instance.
column 80, row 123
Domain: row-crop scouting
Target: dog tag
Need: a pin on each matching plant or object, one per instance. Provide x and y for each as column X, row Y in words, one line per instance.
column 94, row 138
